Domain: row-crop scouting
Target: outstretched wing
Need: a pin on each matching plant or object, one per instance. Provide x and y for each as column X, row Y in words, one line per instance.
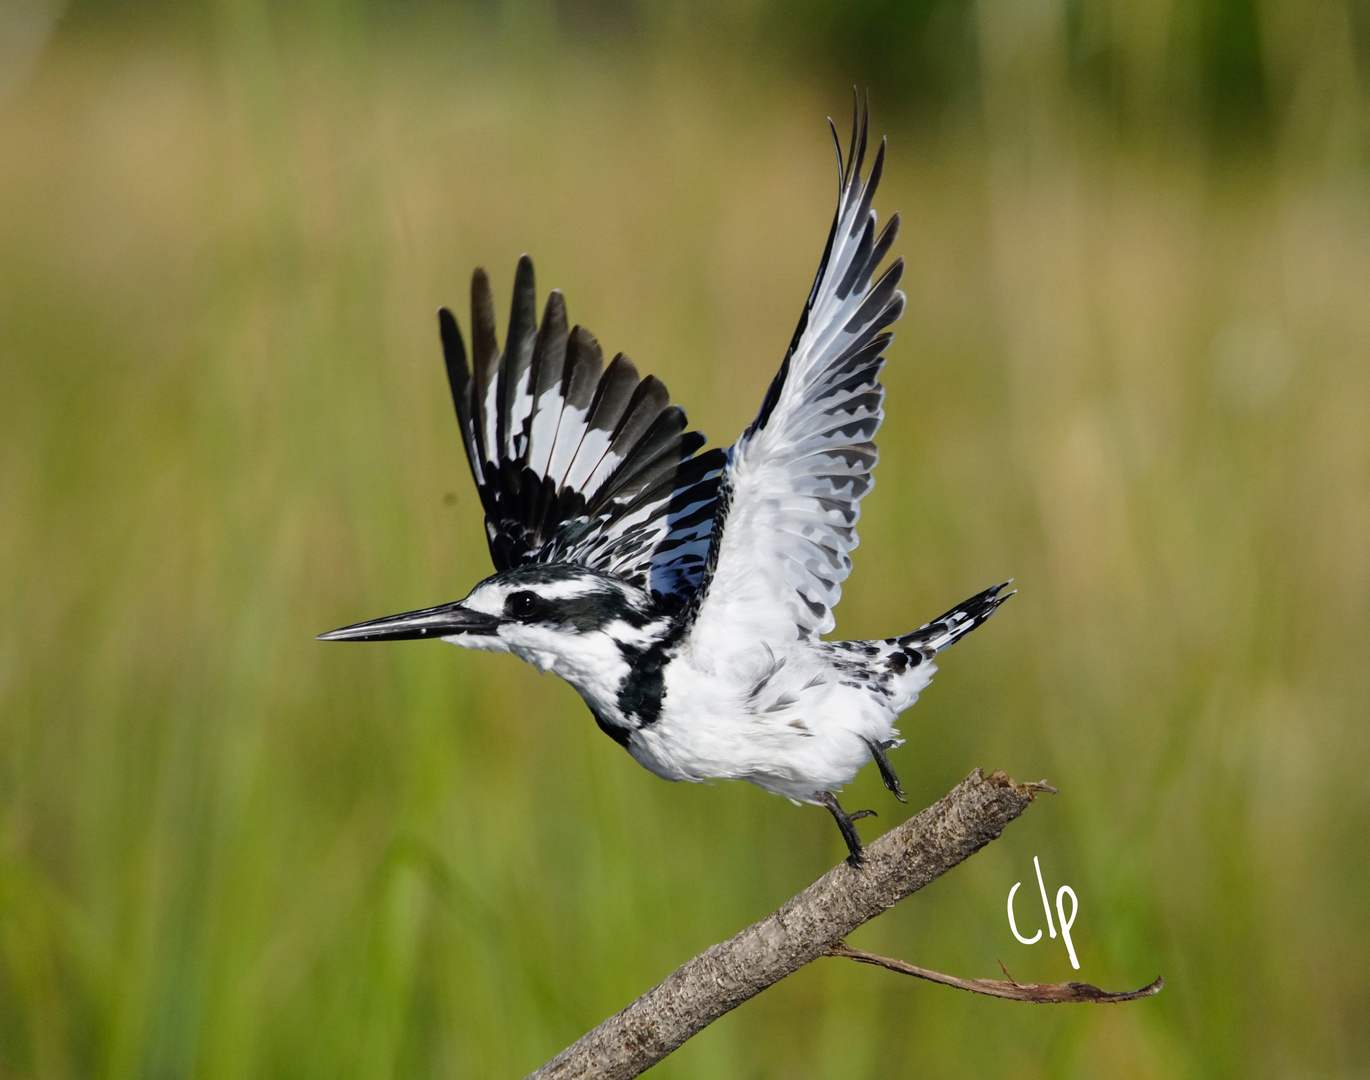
column 574, row 460
column 794, row 480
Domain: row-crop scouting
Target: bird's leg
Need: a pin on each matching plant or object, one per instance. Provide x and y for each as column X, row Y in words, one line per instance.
column 845, row 822
column 887, row 772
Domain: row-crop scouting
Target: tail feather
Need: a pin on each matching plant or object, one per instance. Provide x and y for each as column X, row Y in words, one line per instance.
column 946, row 629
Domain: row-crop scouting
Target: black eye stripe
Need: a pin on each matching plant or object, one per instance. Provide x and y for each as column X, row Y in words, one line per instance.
column 587, row 612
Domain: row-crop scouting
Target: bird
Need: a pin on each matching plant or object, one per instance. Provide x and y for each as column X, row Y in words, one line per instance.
column 685, row 592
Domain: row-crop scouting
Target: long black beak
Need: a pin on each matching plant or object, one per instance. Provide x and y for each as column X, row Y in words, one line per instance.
column 445, row 620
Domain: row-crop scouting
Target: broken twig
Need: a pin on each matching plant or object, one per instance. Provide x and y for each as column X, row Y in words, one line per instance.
column 1038, row 993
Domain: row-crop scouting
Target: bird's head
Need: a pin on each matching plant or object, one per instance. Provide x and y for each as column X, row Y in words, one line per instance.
column 558, row 616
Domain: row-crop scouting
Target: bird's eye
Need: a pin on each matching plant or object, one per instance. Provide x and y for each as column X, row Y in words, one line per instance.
column 522, row 605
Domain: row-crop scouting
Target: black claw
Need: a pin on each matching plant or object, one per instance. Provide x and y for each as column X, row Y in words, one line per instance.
column 887, row 772
column 845, row 822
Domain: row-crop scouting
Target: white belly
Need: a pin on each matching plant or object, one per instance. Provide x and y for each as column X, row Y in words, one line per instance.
column 803, row 732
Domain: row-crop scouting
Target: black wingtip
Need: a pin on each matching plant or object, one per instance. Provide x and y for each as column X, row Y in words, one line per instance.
column 837, row 146
column 459, row 382
column 525, row 292
column 862, row 136
column 855, row 124
column 483, row 341
column 454, row 354
column 516, row 366
column 448, row 328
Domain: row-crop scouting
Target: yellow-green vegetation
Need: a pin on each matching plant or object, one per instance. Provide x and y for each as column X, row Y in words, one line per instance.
column 1134, row 374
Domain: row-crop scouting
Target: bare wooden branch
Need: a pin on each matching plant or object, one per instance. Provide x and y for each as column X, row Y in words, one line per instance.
column 722, row 977
column 1038, row 993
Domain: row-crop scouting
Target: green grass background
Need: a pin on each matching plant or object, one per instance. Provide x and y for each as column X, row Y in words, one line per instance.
column 1134, row 374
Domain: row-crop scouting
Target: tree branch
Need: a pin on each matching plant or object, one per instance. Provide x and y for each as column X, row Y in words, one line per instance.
column 808, row 926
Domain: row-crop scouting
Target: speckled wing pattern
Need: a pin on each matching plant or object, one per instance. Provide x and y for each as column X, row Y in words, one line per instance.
column 792, row 487
column 575, row 460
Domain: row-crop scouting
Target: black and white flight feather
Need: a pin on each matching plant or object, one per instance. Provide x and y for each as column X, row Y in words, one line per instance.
column 684, row 592
column 576, row 461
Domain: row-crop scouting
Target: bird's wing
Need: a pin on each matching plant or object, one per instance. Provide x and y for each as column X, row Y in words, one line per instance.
column 574, row 460
column 792, row 486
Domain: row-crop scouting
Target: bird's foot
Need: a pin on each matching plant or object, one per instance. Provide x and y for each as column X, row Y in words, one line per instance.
column 887, row 772
column 846, row 822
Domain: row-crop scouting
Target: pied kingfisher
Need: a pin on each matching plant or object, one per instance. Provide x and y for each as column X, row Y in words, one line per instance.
column 683, row 594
